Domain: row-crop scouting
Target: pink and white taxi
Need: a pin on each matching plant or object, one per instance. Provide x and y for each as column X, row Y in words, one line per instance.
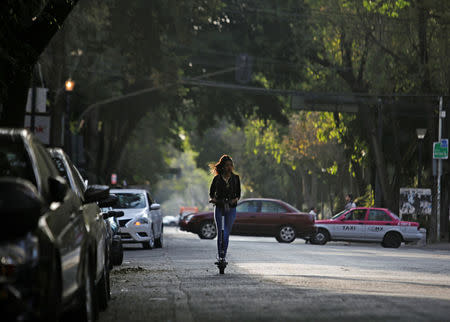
column 377, row 225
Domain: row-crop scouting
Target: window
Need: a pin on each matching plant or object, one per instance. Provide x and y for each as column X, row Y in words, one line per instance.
column 15, row 161
column 357, row 214
column 248, row 206
column 130, row 200
column 61, row 168
column 272, row 207
column 77, row 178
column 379, row 215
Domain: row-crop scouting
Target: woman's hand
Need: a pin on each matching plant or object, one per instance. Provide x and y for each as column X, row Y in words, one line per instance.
column 213, row 200
column 234, row 201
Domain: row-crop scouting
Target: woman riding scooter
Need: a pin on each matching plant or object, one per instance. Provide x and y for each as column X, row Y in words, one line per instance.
column 225, row 192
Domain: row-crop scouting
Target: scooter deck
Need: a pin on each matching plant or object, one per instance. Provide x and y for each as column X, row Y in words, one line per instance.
column 221, row 264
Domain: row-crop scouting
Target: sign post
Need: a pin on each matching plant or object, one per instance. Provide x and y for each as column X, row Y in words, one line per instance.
column 440, row 151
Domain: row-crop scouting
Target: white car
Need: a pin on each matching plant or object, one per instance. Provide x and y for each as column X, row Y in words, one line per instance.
column 170, row 221
column 142, row 220
column 377, row 225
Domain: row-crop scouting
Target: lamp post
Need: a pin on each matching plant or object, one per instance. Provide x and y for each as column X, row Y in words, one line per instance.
column 420, row 135
column 69, row 85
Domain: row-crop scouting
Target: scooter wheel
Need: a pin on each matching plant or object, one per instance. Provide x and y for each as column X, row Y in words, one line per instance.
column 222, row 270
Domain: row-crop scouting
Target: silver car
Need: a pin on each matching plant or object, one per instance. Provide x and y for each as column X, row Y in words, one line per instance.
column 142, row 221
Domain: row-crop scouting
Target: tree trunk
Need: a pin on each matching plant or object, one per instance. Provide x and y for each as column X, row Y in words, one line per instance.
column 14, row 98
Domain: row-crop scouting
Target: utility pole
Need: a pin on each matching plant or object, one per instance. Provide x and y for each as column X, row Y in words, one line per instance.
column 439, row 174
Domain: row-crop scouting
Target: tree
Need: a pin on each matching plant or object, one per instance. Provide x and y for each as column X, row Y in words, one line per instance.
column 26, row 28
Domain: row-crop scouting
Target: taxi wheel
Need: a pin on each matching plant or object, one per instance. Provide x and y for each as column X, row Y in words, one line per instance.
column 321, row 237
column 392, row 240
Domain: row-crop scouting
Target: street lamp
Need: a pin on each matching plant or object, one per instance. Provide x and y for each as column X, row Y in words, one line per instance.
column 420, row 135
column 69, row 86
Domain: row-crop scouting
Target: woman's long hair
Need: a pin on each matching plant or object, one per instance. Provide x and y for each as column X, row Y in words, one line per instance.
column 217, row 168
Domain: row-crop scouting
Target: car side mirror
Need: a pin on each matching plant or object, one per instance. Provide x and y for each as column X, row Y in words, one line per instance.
column 110, row 201
column 96, row 193
column 155, row 206
column 58, row 188
column 118, row 214
column 115, row 214
column 21, row 206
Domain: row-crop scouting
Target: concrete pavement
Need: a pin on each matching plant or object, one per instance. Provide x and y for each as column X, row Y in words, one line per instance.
column 268, row 281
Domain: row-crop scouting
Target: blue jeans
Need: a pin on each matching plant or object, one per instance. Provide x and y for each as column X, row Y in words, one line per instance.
column 230, row 216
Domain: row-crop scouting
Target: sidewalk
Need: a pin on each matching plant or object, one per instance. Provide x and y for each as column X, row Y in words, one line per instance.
column 434, row 246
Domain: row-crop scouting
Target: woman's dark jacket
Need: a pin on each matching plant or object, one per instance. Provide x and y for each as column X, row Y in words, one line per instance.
column 220, row 190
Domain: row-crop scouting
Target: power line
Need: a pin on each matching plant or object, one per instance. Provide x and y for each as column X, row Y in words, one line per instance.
column 271, row 91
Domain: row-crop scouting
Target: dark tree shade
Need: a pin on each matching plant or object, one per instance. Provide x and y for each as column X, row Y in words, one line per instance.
column 26, row 27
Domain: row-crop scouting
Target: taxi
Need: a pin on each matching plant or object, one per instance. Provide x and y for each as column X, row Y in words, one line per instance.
column 376, row 225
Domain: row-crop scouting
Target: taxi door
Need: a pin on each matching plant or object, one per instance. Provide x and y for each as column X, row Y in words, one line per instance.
column 378, row 222
column 351, row 226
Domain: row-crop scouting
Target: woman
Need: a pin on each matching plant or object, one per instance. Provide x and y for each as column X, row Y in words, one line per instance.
column 225, row 192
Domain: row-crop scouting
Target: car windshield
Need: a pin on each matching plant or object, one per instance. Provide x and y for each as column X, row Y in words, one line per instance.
column 338, row 215
column 14, row 160
column 130, row 200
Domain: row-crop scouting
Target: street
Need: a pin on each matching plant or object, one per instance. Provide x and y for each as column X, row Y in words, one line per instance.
column 269, row 281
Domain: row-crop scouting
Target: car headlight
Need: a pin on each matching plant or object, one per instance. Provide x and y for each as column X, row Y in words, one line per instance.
column 141, row 221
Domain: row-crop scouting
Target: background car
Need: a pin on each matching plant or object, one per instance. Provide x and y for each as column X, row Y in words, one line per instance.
column 377, row 225
column 113, row 236
column 186, row 211
column 170, row 221
column 257, row 217
column 93, row 219
column 48, row 257
column 142, row 221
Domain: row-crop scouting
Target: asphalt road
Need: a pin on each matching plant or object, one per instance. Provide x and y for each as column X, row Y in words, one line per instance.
column 268, row 281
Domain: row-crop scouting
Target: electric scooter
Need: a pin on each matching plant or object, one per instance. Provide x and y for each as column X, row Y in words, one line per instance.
column 222, row 263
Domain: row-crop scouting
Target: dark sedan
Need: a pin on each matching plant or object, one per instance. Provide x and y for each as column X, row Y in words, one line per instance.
column 256, row 217
column 46, row 254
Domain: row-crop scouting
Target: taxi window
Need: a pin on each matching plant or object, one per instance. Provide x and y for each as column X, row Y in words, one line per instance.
column 379, row 215
column 248, row 206
column 357, row 214
column 271, row 207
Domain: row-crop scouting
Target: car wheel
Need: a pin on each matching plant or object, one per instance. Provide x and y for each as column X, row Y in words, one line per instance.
column 207, row 230
column 286, row 234
column 117, row 251
column 150, row 244
column 321, row 237
column 87, row 309
column 103, row 291
column 159, row 241
column 392, row 240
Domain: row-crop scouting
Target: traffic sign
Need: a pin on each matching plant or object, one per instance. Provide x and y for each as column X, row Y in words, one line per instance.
column 440, row 149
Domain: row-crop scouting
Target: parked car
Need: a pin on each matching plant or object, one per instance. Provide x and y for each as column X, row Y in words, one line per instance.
column 170, row 221
column 113, row 236
column 257, row 217
column 47, row 255
column 377, row 225
column 186, row 211
column 93, row 218
column 142, row 220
